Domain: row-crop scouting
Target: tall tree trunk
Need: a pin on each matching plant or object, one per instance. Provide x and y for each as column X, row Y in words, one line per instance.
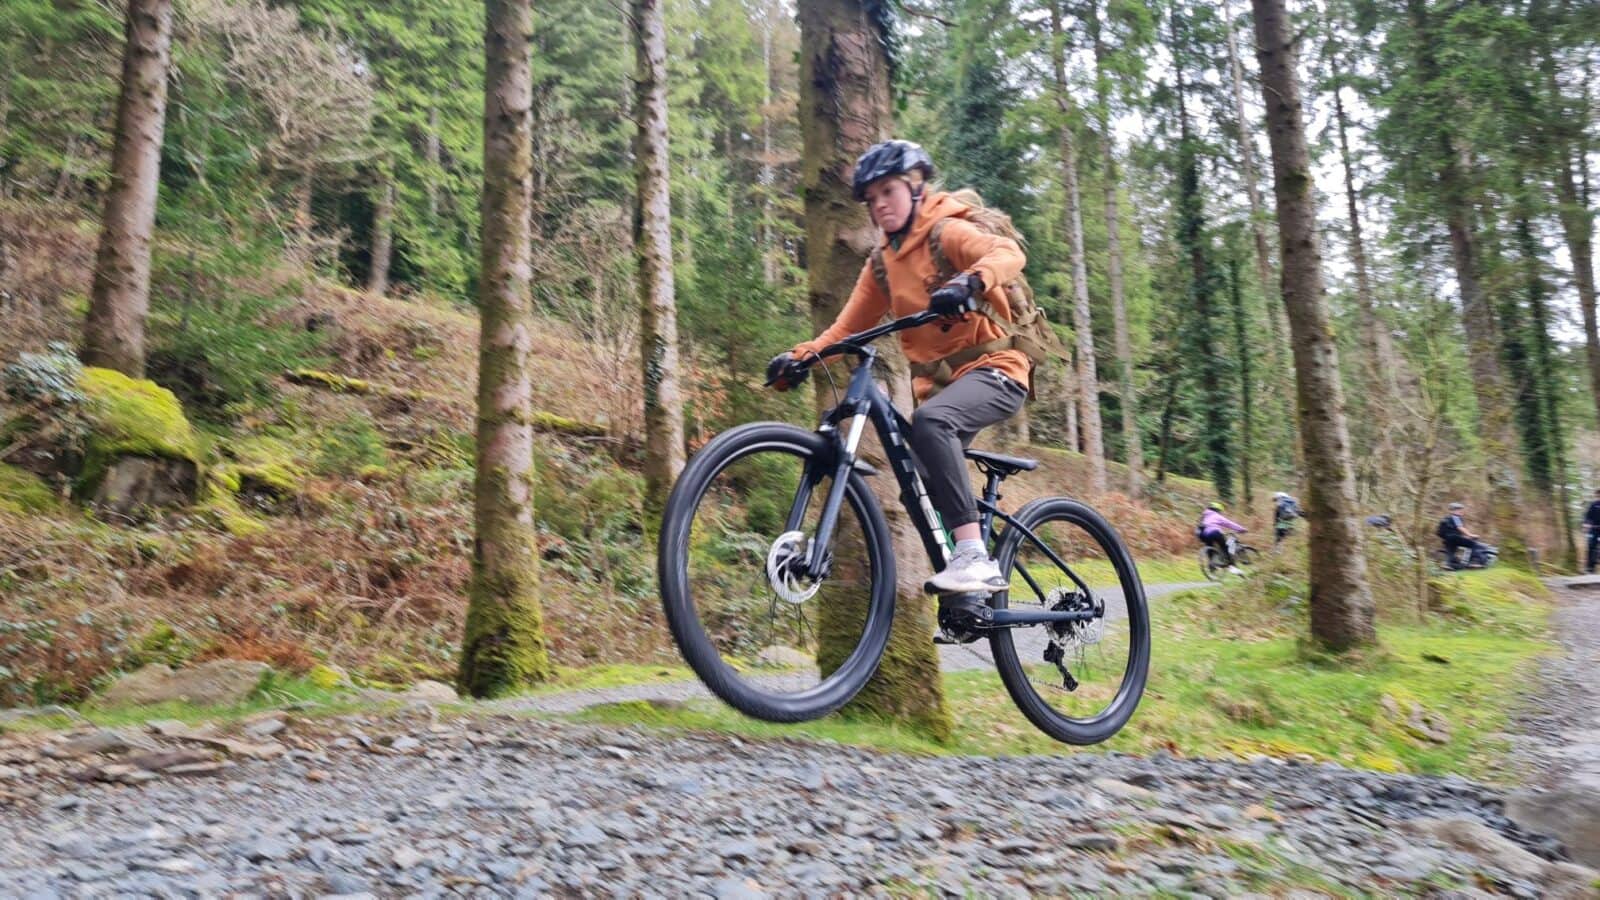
column 1251, row 178
column 113, row 333
column 1342, row 609
column 1546, row 393
column 844, row 109
column 652, row 242
column 504, row 646
column 1498, row 438
column 1088, row 374
column 382, row 238
column 1380, row 364
column 1200, row 336
column 1577, row 223
column 1247, row 422
column 769, row 249
column 1133, row 439
column 431, row 153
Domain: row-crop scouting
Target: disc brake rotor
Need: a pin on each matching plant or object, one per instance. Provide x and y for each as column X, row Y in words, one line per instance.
column 791, row 548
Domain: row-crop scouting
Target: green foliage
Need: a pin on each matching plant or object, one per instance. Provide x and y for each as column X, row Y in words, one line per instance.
column 23, row 492
column 351, row 445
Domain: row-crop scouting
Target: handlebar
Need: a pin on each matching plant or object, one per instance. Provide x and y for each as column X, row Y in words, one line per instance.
column 857, row 343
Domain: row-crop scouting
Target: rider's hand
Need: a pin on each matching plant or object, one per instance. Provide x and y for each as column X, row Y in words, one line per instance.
column 957, row 297
column 786, row 373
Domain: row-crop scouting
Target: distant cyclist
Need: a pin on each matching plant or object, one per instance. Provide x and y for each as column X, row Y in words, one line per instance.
column 1285, row 509
column 1453, row 531
column 1210, row 530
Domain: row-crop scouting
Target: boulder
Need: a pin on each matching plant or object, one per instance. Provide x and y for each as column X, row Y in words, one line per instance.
column 1571, row 813
column 220, row 682
column 140, row 452
column 432, row 692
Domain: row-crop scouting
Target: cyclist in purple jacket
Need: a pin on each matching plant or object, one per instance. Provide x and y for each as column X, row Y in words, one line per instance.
column 1211, row 528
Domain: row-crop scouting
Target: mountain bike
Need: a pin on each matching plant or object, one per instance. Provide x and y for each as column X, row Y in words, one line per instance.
column 779, row 580
column 1214, row 564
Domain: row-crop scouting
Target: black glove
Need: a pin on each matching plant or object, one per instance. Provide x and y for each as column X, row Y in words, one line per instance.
column 786, row 373
column 958, row 297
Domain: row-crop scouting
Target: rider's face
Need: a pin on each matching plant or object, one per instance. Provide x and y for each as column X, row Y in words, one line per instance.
column 889, row 202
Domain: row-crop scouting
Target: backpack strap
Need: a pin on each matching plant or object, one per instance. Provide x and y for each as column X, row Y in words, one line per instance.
column 880, row 272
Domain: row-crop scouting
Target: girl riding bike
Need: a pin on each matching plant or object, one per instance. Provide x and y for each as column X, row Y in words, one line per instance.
column 968, row 372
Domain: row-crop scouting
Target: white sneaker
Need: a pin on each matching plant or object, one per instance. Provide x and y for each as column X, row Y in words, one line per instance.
column 968, row 572
column 1235, row 570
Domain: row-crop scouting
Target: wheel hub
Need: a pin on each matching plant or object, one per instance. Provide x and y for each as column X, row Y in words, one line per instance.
column 786, row 561
column 1084, row 632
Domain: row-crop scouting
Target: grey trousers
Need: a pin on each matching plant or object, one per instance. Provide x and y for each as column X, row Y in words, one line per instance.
column 944, row 426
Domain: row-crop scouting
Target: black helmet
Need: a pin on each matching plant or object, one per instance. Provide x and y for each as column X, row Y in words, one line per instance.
column 891, row 157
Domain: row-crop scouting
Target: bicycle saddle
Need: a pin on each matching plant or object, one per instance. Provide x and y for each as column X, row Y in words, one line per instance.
column 999, row 462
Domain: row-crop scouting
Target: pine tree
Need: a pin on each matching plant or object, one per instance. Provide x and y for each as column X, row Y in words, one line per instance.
column 504, row 646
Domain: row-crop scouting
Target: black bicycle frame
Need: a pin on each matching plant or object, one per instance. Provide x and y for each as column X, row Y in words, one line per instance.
column 865, row 402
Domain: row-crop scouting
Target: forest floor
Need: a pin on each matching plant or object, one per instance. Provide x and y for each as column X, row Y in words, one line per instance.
column 448, row 800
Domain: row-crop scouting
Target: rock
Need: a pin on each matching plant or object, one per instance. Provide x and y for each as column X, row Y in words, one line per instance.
column 269, row 850
column 198, row 769
column 738, row 850
column 1108, row 843
column 736, row 889
column 405, row 744
column 130, row 486
column 162, row 761
column 431, row 692
column 779, row 657
column 1426, row 725
column 241, row 749
column 219, row 682
column 1123, row 790
column 585, row 835
column 1568, row 881
column 1569, row 813
column 407, row 857
column 1475, row 838
column 259, row 728
column 105, row 741
column 1261, row 814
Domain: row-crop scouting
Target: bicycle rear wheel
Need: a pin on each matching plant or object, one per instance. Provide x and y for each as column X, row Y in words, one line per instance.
column 1078, row 682
column 764, row 635
column 1211, row 565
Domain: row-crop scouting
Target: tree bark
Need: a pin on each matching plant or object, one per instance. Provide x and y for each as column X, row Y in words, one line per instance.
column 844, row 109
column 1133, row 439
column 652, row 242
column 431, row 153
column 1251, row 178
column 113, row 333
column 1088, row 375
column 1247, row 421
column 1380, row 365
column 382, row 239
column 1342, row 609
column 504, row 646
column 1577, row 224
column 1498, row 437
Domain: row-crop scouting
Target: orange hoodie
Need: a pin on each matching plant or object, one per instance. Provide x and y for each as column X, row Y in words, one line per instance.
column 913, row 275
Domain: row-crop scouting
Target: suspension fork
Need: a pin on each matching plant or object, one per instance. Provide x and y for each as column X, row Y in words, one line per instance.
column 852, row 414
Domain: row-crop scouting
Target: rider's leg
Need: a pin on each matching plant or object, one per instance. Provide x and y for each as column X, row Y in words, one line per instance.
column 940, row 430
column 1594, row 550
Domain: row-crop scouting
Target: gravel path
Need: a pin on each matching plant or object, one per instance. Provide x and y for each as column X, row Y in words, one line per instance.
column 504, row 805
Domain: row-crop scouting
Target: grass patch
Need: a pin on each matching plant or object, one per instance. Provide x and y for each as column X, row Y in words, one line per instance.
column 275, row 692
column 1158, row 570
column 1218, row 691
column 612, row 675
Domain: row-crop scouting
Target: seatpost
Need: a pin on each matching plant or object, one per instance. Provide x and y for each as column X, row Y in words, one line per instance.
column 991, row 500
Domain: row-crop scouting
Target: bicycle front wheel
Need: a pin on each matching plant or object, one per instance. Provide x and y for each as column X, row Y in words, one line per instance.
column 768, row 636
column 1078, row 682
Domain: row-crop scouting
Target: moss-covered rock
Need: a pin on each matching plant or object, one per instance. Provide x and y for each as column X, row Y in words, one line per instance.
column 265, row 465
column 140, row 450
column 23, row 492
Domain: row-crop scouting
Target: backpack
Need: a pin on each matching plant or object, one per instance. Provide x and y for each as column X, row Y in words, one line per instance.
column 1027, row 330
column 1447, row 527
